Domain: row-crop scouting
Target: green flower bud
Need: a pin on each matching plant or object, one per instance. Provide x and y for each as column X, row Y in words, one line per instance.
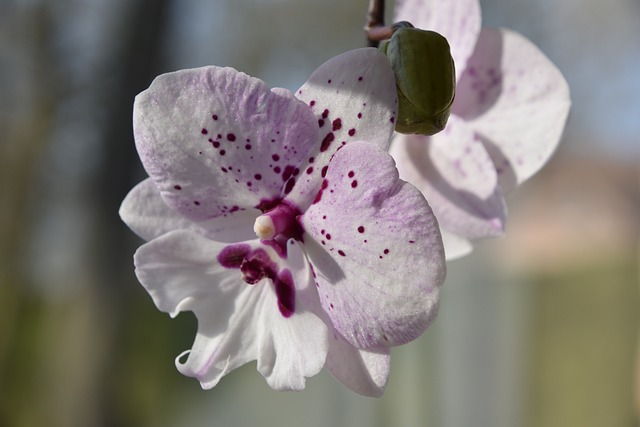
column 425, row 79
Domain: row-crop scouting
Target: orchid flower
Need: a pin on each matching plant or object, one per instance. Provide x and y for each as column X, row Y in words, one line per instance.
column 280, row 221
column 507, row 118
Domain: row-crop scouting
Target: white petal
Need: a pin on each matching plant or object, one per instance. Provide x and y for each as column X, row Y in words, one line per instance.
column 458, row 20
column 455, row 246
column 146, row 213
column 516, row 100
column 454, row 172
column 362, row 371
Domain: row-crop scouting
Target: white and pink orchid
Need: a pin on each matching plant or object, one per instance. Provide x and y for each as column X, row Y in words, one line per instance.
column 510, row 109
column 281, row 222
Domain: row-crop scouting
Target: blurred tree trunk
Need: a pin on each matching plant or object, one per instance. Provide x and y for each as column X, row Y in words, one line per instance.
column 139, row 58
column 25, row 137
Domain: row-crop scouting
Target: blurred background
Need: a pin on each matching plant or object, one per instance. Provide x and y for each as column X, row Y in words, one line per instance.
column 537, row 329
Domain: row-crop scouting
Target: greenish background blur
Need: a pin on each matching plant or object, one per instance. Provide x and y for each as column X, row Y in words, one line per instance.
column 538, row 329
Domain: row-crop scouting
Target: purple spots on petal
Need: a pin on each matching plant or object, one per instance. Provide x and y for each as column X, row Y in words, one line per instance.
column 324, row 185
column 361, row 229
column 289, row 171
column 177, row 187
column 311, row 159
column 258, row 177
column 223, row 169
column 286, row 293
column 309, row 170
column 276, row 169
column 359, row 115
column 275, row 157
column 351, row 174
column 326, row 142
column 232, row 256
column 386, row 251
column 247, row 147
column 412, row 241
column 352, row 132
column 360, row 78
column 215, row 144
column 197, row 203
column 337, row 124
column 204, row 131
column 323, row 172
column 354, row 183
column 231, row 137
column 328, row 236
column 392, row 119
column 325, row 114
column 289, row 186
column 322, row 231
column 329, row 81
column 312, row 103
column 222, row 152
column 341, row 253
column 249, row 183
column 214, row 117
column 320, row 123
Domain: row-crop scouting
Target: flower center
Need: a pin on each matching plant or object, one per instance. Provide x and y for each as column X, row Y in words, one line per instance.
column 279, row 223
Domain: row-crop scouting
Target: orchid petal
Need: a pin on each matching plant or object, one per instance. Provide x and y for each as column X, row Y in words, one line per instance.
column 455, row 246
column 147, row 214
column 376, row 249
column 215, row 140
column 362, row 371
column 181, row 272
column 458, row 20
column 457, row 177
column 516, row 100
column 353, row 97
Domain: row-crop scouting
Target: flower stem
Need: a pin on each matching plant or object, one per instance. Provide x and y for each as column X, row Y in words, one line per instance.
column 375, row 20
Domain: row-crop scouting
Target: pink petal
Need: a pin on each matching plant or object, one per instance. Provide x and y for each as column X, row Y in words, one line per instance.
column 237, row 322
column 457, row 177
column 216, row 141
column 146, row 213
column 376, row 250
column 353, row 97
column 458, row 20
column 516, row 100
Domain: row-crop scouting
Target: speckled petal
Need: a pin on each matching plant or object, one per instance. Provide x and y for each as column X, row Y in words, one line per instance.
column 458, row 20
column 146, row 213
column 181, row 273
column 516, row 100
column 457, row 177
column 353, row 97
column 376, row 250
column 215, row 140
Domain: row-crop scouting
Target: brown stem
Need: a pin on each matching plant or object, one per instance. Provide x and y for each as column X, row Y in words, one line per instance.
column 375, row 19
